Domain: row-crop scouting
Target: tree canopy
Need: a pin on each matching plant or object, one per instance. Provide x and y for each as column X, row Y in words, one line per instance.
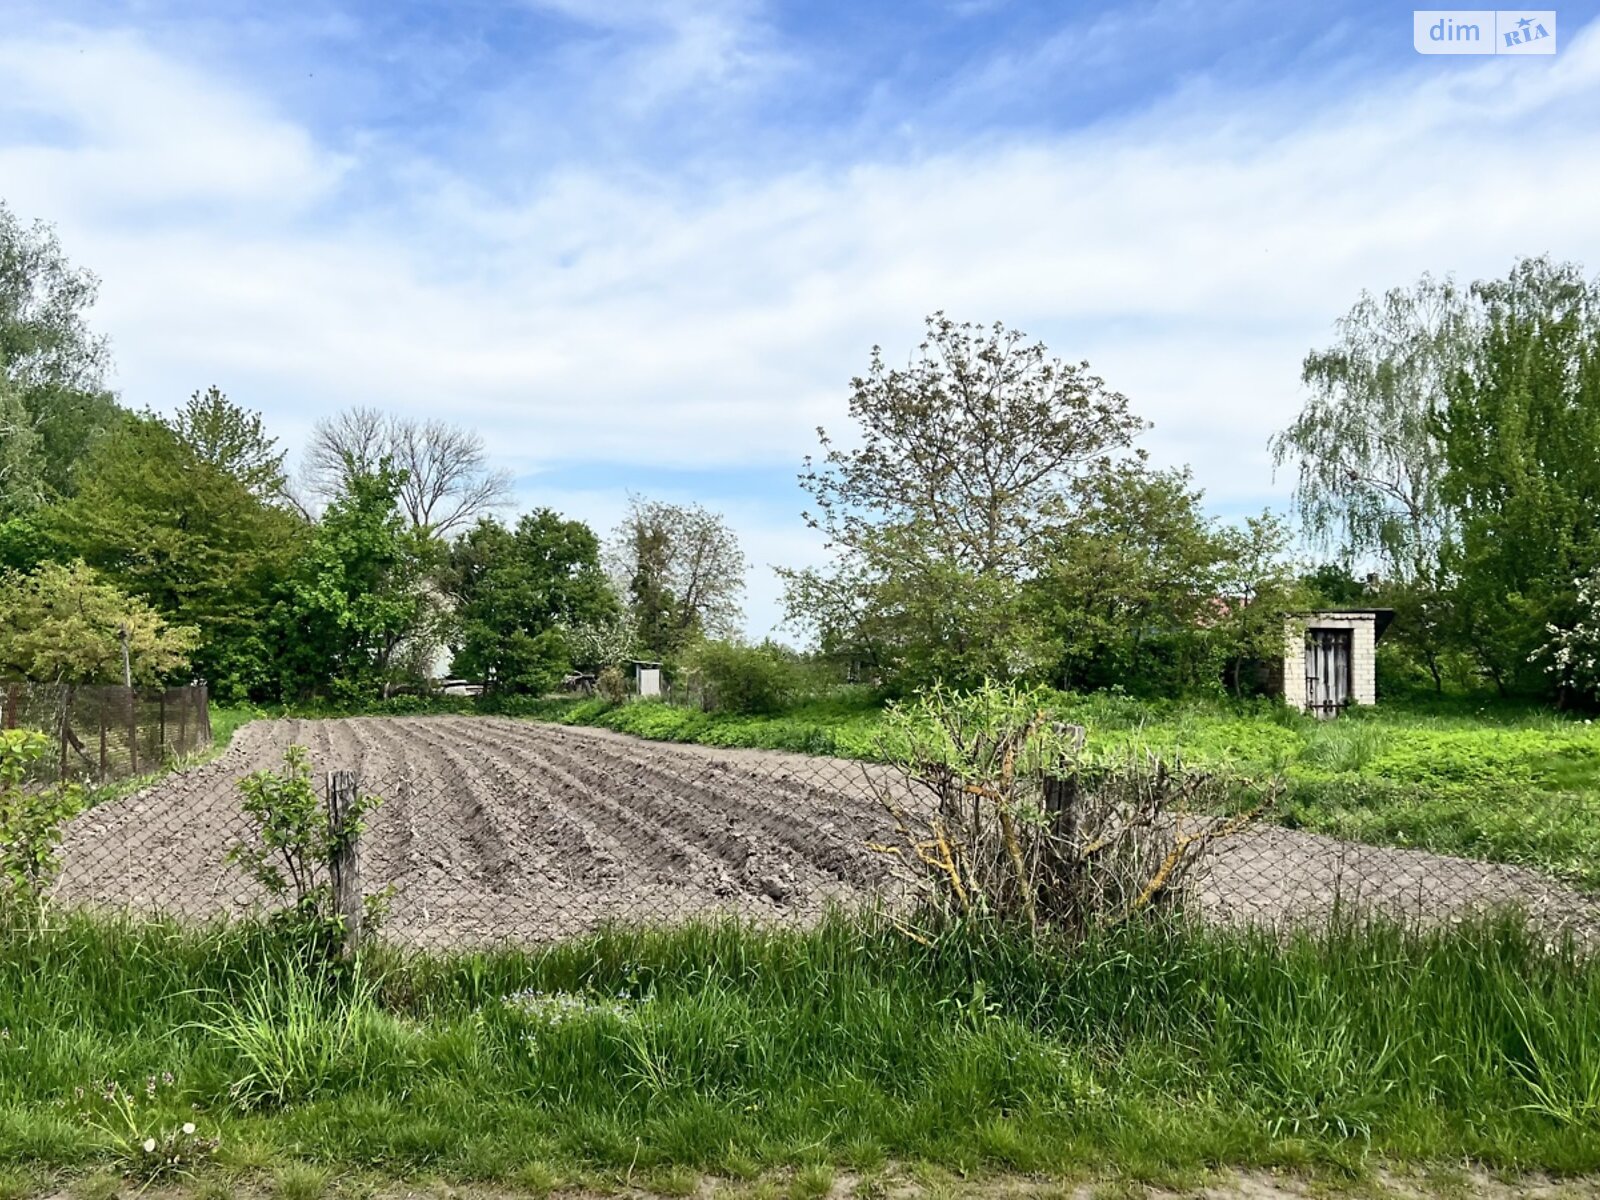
column 682, row 570
column 516, row 590
column 65, row 624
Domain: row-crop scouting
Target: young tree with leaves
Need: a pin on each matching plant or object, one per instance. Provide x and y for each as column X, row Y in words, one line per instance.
column 356, row 595
column 1130, row 590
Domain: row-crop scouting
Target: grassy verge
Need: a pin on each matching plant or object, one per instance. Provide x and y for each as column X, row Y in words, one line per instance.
column 1156, row 1051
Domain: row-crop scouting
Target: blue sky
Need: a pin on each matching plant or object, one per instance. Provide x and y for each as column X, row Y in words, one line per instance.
column 645, row 244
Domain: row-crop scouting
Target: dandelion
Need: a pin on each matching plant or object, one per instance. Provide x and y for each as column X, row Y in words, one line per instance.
column 149, row 1145
column 188, row 1129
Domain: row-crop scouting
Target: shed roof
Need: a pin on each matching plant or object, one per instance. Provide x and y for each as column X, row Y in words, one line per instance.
column 1382, row 617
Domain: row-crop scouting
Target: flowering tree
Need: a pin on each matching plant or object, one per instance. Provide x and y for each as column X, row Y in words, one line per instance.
column 1573, row 653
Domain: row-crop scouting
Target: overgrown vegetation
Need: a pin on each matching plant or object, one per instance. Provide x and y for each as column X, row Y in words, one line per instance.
column 1155, row 1047
column 1002, row 818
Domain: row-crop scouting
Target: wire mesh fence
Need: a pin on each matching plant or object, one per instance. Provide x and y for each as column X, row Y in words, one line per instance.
column 104, row 733
column 496, row 831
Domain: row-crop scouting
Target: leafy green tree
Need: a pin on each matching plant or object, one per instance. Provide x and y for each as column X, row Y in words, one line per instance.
column 355, row 597
column 1371, row 464
column 48, row 354
column 967, row 474
column 21, row 466
column 682, row 570
column 26, row 541
column 189, row 537
column 1520, row 432
column 516, row 590
column 1258, row 587
column 65, row 624
column 1370, row 459
column 1130, row 590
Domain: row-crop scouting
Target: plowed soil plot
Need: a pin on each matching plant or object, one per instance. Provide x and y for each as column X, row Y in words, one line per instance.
column 496, row 830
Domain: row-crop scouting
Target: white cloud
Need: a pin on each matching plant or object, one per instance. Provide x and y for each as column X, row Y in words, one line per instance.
column 118, row 127
column 1193, row 253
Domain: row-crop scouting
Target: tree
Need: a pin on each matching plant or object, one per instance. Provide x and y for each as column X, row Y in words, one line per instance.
column 682, row 570
column 516, row 591
column 605, row 641
column 356, row 596
column 1132, row 587
column 21, row 468
column 64, row 624
column 48, row 355
column 1370, row 457
column 446, row 481
column 1258, row 588
column 233, row 440
column 1519, row 433
column 968, row 472
column 188, row 537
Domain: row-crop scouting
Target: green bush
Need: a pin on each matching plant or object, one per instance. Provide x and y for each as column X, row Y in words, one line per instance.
column 745, row 679
column 30, row 820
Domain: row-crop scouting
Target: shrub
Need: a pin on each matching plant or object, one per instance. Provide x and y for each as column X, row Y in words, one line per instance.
column 612, row 685
column 294, row 845
column 30, row 820
column 745, row 679
column 1003, row 818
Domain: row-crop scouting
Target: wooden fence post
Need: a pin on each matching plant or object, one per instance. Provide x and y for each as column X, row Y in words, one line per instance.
column 344, row 864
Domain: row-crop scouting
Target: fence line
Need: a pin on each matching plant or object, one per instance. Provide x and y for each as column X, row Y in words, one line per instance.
column 103, row 733
column 494, row 830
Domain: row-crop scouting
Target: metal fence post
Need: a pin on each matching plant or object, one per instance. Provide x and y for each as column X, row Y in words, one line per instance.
column 344, row 864
column 133, row 732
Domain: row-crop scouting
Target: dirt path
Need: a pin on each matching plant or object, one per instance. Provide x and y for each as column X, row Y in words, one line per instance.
column 500, row 830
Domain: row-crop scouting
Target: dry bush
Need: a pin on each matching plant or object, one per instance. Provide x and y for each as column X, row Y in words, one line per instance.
column 1003, row 815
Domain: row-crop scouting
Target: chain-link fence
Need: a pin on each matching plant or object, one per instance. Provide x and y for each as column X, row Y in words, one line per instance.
column 495, row 830
column 104, row 733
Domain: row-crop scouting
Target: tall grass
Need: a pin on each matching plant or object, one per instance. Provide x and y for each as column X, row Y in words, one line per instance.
column 720, row 1046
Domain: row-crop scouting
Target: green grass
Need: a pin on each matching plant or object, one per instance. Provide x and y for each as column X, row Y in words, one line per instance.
column 1151, row 1050
column 1500, row 782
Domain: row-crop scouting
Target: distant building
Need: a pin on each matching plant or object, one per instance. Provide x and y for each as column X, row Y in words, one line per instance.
column 1330, row 658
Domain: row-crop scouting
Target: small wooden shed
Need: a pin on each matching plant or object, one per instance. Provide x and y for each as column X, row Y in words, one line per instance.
column 1330, row 658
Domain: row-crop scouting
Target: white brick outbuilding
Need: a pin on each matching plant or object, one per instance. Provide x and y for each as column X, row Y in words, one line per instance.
column 1330, row 658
